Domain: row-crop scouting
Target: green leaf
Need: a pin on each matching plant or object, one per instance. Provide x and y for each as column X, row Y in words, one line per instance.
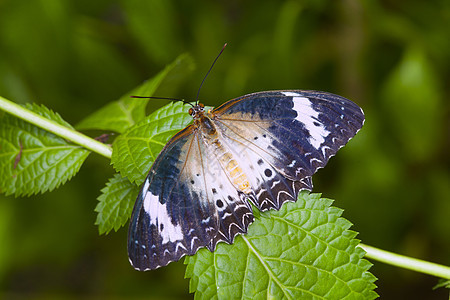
column 33, row 160
column 125, row 112
column 115, row 204
column 303, row 251
column 443, row 283
column 135, row 150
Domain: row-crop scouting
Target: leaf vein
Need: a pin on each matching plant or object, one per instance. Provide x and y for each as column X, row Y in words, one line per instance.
column 269, row 271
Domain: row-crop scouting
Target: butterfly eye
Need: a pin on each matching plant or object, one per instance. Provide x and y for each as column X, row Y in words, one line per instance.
column 191, row 111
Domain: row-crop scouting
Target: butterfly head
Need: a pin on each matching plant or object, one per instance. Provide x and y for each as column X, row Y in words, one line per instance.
column 197, row 111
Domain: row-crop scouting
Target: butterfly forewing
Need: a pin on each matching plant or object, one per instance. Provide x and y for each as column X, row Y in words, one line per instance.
column 296, row 131
column 273, row 142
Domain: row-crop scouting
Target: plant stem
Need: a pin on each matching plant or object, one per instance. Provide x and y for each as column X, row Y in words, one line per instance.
column 55, row 128
column 406, row 262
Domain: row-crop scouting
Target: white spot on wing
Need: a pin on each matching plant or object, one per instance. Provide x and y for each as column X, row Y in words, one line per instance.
column 179, row 245
column 307, row 115
column 146, row 185
column 158, row 215
column 226, row 215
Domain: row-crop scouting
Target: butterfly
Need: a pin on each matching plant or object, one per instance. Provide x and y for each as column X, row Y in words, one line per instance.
column 260, row 149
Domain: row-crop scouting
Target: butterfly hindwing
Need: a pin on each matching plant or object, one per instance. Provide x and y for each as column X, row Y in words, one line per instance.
column 233, row 212
column 270, row 188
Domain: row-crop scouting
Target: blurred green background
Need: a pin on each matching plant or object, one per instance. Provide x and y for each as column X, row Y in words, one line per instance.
column 391, row 57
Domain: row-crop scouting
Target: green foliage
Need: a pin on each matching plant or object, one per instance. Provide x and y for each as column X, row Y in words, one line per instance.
column 115, row 204
column 443, row 283
column 391, row 59
column 304, row 250
column 33, row 160
column 154, row 18
column 125, row 112
column 135, row 150
column 411, row 90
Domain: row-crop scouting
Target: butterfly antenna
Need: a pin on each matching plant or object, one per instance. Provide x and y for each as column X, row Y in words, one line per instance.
column 164, row 98
column 198, row 92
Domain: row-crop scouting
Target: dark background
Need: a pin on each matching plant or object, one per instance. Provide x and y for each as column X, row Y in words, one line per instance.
column 391, row 57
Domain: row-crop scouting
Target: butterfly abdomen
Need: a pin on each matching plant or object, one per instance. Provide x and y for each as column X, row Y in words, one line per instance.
column 232, row 169
column 226, row 160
